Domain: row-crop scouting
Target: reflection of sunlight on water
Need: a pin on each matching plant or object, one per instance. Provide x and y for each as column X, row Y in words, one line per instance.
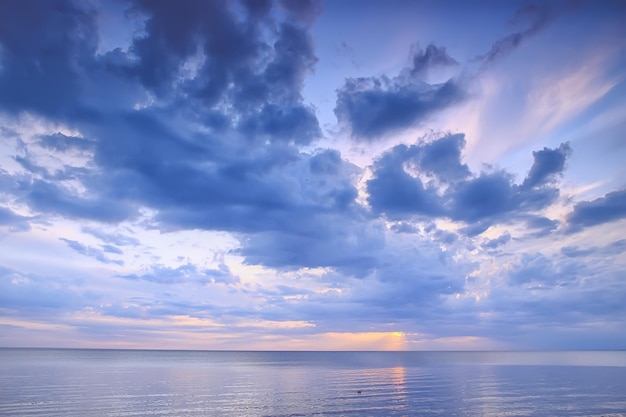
column 482, row 393
column 372, row 391
column 398, row 376
column 398, row 380
column 79, row 383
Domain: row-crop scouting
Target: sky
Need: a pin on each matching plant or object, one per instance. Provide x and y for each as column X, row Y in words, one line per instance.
column 304, row 175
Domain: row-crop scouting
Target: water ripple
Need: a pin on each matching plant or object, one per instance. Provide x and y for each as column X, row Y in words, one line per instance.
column 130, row 383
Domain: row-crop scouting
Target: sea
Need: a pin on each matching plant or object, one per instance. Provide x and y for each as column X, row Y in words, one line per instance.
column 124, row 383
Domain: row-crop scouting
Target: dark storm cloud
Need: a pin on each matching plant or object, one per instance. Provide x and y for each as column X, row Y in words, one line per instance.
column 281, row 115
column 433, row 56
column 49, row 198
column 327, row 162
column 374, row 106
column 257, row 8
column 442, row 158
column 490, row 196
column 349, row 245
column 606, row 209
column 245, row 93
column 321, row 225
column 211, row 184
column 398, row 190
column 548, row 163
column 44, row 47
column 394, row 190
column 304, row 10
column 297, row 124
column 253, row 67
column 261, row 81
column 63, row 143
column 168, row 38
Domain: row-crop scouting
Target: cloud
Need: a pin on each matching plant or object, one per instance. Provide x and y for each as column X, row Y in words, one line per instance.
column 374, row 106
column 499, row 241
column 257, row 8
column 303, row 10
column 408, row 279
column 261, row 81
column 337, row 241
column 535, row 16
column 559, row 291
column 118, row 239
column 398, row 189
column 541, row 226
column 432, row 57
column 371, row 107
column 48, row 198
column 540, row 222
column 200, row 53
column 31, row 296
column 200, row 123
column 210, row 139
column 187, row 273
column 297, row 123
column 62, row 35
column 605, row 209
column 441, row 158
column 98, row 254
column 395, row 190
column 15, row 222
column 404, row 227
column 492, row 195
column 547, row 164
column 612, row 249
column 63, row 143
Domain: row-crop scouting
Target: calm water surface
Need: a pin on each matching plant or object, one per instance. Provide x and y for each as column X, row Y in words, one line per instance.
column 121, row 383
